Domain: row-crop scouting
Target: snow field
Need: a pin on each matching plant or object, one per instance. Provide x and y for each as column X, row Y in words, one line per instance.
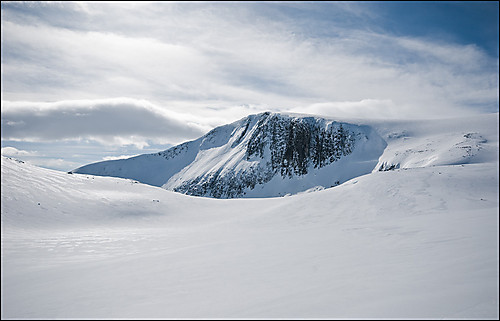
column 409, row 243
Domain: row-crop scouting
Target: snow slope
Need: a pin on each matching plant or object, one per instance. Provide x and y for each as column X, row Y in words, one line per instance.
column 438, row 142
column 420, row 241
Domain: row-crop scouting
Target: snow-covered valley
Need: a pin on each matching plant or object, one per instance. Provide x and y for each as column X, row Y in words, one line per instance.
column 417, row 237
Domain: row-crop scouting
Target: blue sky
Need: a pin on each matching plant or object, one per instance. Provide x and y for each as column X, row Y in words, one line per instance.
column 87, row 81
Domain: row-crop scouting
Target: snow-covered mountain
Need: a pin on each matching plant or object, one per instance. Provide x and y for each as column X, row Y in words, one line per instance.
column 262, row 155
column 271, row 154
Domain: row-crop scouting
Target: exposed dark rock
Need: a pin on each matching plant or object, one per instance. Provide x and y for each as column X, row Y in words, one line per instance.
column 293, row 145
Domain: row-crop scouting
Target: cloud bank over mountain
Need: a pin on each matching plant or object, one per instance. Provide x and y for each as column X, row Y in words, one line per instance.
column 109, row 121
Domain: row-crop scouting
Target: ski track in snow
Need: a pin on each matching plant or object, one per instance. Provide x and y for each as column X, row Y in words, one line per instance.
column 413, row 242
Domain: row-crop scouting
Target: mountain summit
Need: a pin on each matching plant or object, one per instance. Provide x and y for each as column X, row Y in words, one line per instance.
column 263, row 155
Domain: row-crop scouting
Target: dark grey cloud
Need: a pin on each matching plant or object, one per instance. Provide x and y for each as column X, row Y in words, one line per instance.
column 118, row 121
column 64, row 14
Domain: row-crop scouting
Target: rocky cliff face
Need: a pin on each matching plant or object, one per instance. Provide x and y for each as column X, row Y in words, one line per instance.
column 277, row 146
column 297, row 143
column 262, row 155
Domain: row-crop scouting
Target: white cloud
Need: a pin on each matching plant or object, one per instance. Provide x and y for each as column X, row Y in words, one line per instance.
column 53, row 163
column 185, row 58
column 373, row 109
column 38, row 159
column 14, row 152
column 118, row 157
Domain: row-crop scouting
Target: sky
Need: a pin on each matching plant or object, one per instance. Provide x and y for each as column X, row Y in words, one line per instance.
column 90, row 81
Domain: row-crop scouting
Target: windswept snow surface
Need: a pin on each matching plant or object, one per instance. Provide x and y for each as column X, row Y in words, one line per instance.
column 418, row 241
